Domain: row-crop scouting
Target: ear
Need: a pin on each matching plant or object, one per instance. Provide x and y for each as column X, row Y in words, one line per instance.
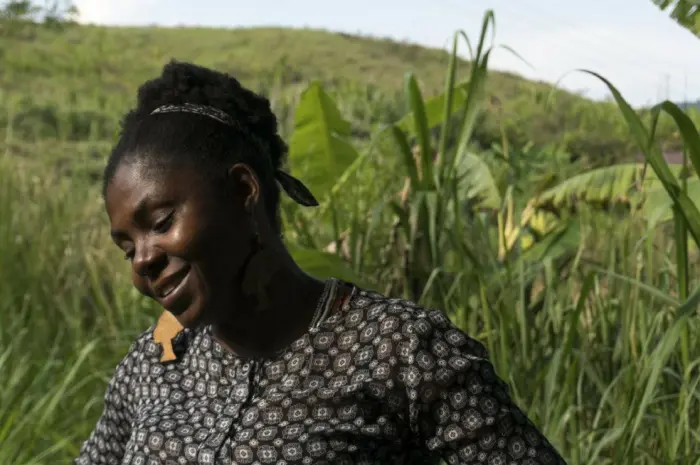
column 246, row 183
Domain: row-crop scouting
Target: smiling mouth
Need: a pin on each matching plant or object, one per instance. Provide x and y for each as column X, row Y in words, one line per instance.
column 170, row 288
column 168, row 293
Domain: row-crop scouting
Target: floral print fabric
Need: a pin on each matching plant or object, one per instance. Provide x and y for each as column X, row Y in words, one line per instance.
column 380, row 381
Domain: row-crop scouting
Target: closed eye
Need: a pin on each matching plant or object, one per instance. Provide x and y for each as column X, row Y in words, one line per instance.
column 163, row 224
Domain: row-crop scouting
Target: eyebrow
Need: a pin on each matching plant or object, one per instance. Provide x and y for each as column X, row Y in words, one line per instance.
column 139, row 212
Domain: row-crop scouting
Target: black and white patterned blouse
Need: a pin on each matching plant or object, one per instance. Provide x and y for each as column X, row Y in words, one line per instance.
column 379, row 381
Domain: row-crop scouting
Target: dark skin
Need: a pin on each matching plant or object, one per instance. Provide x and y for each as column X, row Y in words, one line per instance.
column 178, row 229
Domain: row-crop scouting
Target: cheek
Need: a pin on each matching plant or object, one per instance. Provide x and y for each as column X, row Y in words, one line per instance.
column 191, row 235
column 208, row 239
column 139, row 283
column 183, row 240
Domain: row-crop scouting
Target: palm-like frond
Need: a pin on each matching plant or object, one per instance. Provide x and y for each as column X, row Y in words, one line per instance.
column 477, row 183
column 628, row 185
column 607, row 186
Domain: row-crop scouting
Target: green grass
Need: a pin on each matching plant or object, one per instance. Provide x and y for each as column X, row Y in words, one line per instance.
column 584, row 326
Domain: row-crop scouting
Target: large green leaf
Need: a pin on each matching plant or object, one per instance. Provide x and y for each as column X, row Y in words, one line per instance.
column 603, row 185
column 684, row 12
column 476, row 182
column 320, row 149
column 617, row 184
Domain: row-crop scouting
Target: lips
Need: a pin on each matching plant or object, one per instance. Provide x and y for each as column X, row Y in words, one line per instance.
column 169, row 289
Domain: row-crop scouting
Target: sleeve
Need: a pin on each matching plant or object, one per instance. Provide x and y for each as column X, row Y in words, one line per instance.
column 458, row 407
column 107, row 442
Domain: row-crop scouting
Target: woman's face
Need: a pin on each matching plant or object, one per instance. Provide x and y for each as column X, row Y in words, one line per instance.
column 185, row 243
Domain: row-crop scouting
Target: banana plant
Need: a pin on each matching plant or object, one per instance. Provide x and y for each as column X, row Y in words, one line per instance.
column 457, row 221
column 454, row 218
column 632, row 186
column 429, row 213
column 320, row 151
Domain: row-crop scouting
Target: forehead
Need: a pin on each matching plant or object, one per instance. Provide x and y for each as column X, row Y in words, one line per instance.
column 137, row 183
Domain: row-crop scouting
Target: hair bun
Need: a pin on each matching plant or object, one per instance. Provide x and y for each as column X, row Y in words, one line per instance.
column 181, row 82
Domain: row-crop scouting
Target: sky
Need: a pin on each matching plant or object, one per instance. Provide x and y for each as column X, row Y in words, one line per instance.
column 630, row 42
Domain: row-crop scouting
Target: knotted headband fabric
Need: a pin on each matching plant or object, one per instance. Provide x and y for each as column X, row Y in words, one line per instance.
column 291, row 185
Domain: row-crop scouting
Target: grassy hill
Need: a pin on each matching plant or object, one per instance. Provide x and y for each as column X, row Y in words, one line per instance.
column 73, row 84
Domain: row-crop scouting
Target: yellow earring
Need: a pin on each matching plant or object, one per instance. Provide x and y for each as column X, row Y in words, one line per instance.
column 165, row 331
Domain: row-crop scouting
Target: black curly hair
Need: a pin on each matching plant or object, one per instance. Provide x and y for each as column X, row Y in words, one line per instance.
column 168, row 139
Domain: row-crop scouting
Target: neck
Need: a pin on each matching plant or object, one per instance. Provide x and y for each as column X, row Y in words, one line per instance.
column 292, row 297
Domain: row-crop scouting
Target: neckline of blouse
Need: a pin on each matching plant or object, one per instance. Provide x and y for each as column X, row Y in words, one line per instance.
column 205, row 342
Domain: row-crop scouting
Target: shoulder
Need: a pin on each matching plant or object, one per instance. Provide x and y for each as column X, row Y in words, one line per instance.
column 142, row 347
column 144, row 351
column 409, row 327
column 139, row 350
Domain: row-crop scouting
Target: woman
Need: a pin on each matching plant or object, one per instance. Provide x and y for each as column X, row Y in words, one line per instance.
column 253, row 360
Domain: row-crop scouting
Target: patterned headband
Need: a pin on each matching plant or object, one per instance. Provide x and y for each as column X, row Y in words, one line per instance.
column 291, row 185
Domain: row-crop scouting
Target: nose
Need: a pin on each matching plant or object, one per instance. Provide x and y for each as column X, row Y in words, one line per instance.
column 148, row 260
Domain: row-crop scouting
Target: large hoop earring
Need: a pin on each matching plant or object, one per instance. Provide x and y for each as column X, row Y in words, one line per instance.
column 258, row 274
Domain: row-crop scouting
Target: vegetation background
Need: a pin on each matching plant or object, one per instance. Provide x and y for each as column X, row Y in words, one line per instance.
column 560, row 231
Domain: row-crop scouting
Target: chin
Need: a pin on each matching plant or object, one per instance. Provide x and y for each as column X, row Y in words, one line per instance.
column 191, row 317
